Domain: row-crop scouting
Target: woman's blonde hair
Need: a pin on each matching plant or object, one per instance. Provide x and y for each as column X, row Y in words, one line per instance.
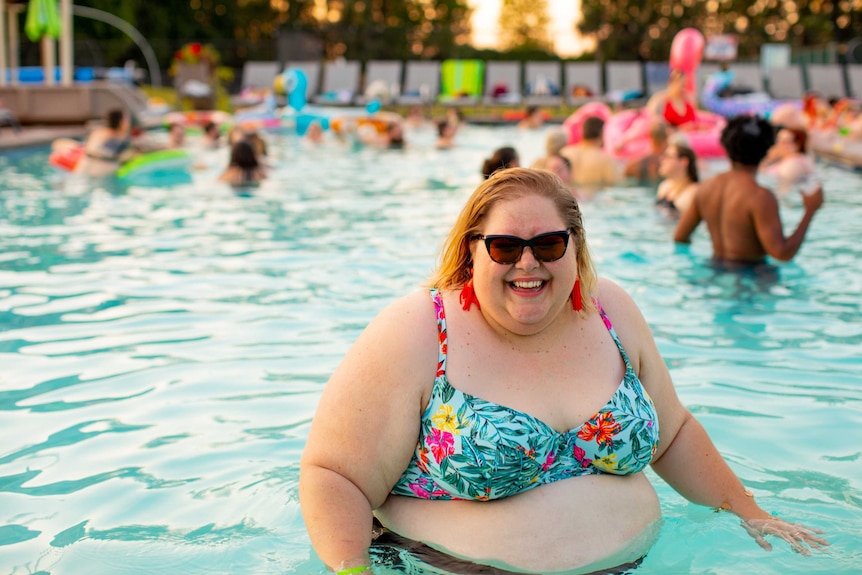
column 504, row 185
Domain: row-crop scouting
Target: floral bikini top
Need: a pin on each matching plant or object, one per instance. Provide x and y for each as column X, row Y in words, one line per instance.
column 470, row 448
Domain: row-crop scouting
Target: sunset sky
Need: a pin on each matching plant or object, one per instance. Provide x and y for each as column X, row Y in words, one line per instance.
column 562, row 29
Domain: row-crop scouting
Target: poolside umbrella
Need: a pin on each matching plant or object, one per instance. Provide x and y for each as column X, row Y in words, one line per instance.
column 43, row 19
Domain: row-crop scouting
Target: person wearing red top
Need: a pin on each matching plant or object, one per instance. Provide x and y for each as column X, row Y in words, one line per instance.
column 673, row 104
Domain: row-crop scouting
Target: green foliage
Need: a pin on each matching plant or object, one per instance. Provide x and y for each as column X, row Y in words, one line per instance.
column 524, row 26
column 396, row 29
column 242, row 30
column 631, row 29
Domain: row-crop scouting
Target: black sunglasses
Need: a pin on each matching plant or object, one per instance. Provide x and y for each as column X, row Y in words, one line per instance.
column 506, row 250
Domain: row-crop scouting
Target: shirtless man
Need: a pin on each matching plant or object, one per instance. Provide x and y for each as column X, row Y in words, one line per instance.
column 592, row 167
column 742, row 216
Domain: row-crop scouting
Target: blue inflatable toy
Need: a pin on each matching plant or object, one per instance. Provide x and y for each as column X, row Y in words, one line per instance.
column 293, row 84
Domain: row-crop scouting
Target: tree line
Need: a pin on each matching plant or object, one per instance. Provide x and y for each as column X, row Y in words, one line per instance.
column 244, row 30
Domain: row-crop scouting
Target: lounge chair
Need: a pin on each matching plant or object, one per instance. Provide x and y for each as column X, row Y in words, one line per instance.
column 257, row 78
column 543, row 84
column 624, row 82
column 786, row 83
column 195, row 82
column 747, row 75
column 421, row 83
column 340, row 83
column 657, row 76
column 382, row 81
column 854, row 77
column 461, row 82
column 704, row 71
column 583, row 82
column 502, row 83
column 828, row 79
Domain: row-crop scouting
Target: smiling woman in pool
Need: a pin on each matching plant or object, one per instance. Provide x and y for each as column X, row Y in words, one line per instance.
column 503, row 419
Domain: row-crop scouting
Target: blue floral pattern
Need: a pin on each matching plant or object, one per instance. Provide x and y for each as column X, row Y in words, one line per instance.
column 470, row 448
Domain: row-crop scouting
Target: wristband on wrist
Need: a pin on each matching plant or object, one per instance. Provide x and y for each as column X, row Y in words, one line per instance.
column 352, row 570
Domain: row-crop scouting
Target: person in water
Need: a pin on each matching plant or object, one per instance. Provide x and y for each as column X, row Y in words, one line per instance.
column 645, row 169
column 592, row 167
column 787, row 161
column 505, row 415
column 502, row 158
column 673, row 105
column 107, row 146
column 679, row 170
column 742, row 216
column 245, row 168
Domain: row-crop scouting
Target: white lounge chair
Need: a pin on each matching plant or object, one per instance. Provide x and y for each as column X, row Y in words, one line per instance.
column 340, row 83
column 543, row 84
column 421, row 83
column 584, row 78
column 657, row 76
column 854, row 77
column 257, row 78
column 827, row 79
column 624, row 82
column 704, row 71
column 382, row 81
column 786, row 83
column 502, row 83
column 747, row 75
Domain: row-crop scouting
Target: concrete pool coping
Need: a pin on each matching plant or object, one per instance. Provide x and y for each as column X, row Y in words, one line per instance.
column 37, row 135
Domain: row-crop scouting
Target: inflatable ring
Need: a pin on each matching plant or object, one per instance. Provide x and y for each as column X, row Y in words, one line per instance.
column 633, row 126
column 197, row 117
column 154, row 165
column 66, row 157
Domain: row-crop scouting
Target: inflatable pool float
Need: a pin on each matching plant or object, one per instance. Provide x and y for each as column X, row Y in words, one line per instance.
column 573, row 125
column 633, row 126
column 839, row 152
column 156, row 168
column 757, row 103
column 197, row 118
column 66, row 154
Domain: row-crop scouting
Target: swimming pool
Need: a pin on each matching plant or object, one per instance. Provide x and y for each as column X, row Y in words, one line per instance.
column 163, row 350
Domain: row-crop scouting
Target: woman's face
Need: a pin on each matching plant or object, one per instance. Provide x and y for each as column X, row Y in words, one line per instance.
column 526, row 296
column 671, row 163
column 786, row 141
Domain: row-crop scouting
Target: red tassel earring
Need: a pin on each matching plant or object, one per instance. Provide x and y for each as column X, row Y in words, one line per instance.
column 577, row 302
column 468, row 296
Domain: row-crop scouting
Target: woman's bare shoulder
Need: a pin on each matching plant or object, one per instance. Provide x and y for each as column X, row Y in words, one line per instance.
column 611, row 295
column 621, row 309
column 408, row 322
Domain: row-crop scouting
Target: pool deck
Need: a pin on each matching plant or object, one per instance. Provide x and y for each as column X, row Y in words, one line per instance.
column 38, row 135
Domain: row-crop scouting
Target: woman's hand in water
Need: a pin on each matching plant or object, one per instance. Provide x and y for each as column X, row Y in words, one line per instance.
column 801, row 539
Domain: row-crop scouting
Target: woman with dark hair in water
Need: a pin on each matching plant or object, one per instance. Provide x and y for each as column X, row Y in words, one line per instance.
column 505, row 157
column 678, row 167
column 244, row 168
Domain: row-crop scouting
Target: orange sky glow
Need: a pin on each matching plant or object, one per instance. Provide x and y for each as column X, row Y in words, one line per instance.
column 562, row 28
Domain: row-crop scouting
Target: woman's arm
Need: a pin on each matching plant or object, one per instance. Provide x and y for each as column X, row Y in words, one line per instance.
column 686, row 457
column 365, row 429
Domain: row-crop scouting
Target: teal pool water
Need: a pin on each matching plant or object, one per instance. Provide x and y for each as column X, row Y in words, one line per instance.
column 162, row 351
